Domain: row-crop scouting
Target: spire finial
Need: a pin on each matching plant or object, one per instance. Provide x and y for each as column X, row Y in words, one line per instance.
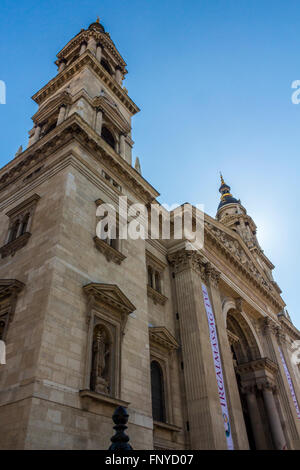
column 222, row 180
column 98, row 19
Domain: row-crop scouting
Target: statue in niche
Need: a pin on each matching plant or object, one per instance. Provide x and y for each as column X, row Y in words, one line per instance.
column 2, row 328
column 100, row 361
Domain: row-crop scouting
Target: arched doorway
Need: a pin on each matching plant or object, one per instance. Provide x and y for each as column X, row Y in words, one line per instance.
column 251, row 371
column 244, row 349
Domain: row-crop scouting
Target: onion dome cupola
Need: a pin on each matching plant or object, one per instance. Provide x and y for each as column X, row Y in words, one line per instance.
column 226, row 196
column 97, row 26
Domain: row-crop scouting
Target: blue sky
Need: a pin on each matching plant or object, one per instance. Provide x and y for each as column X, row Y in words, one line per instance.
column 213, row 81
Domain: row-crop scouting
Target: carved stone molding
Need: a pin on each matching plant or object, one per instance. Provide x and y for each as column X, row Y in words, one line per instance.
column 267, row 385
column 92, row 401
column 63, row 98
column 105, row 104
column 239, row 304
column 111, row 298
column 232, row 337
column 268, row 326
column 187, row 259
column 161, row 336
column 241, row 260
column 259, row 374
column 102, row 38
column 288, row 327
column 156, row 296
column 11, row 247
column 154, row 262
column 281, row 336
column 86, row 59
column 110, row 253
column 212, row 275
column 259, row 364
column 10, row 288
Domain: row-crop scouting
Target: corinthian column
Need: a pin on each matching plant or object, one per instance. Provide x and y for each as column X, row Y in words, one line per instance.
column 61, row 115
column 206, row 424
column 273, row 417
column 99, row 52
column 258, row 432
column 239, row 432
column 122, row 146
column 99, row 119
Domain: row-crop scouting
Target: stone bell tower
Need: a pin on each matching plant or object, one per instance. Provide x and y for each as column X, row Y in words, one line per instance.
column 232, row 214
column 66, row 296
column 89, row 82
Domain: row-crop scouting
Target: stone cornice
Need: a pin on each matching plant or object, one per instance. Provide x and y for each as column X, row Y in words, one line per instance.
column 63, row 98
column 103, row 38
column 75, row 127
column 156, row 296
column 259, row 364
column 289, row 328
column 86, row 59
column 153, row 261
column 11, row 247
column 24, row 205
column 102, row 103
column 88, row 397
column 110, row 253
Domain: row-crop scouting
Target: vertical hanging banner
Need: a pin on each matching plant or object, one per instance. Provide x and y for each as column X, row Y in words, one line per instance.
column 294, row 398
column 218, row 366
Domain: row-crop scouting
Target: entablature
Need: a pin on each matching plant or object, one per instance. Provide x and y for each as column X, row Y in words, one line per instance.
column 101, row 37
column 74, row 127
column 86, row 59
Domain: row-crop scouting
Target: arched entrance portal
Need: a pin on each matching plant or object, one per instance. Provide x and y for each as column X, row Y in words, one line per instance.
column 244, row 349
column 256, row 380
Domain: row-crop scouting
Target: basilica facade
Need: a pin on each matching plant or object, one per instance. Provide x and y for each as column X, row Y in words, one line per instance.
column 195, row 343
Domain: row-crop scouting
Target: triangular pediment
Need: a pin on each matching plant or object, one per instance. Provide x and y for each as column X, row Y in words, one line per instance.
column 162, row 336
column 111, row 295
column 231, row 245
column 110, row 108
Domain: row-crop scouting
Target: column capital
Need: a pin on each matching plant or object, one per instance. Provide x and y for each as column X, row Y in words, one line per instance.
column 281, row 336
column 267, row 385
column 268, row 326
column 248, row 389
column 239, row 304
column 212, row 275
column 184, row 259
